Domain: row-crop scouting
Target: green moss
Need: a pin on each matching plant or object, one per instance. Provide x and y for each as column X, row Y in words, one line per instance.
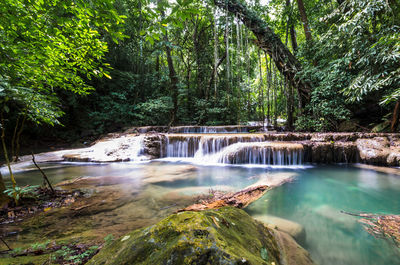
column 22, row 260
column 224, row 236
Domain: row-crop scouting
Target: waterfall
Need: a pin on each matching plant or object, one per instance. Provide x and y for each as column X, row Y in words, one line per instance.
column 182, row 146
column 266, row 153
column 215, row 129
column 233, row 149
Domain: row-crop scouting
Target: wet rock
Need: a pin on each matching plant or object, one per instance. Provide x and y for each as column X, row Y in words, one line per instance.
column 226, row 236
column 292, row 228
column 322, row 152
column 153, row 145
column 386, row 170
column 334, row 215
column 292, row 253
column 374, row 151
column 113, row 149
column 169, row 174
column 274, row 179
column 345, row 152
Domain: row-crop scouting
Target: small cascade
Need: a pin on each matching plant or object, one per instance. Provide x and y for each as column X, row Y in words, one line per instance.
column 213, row 144
column 233, row 149
column 265, row 153
column 180, row 145
column 215, row 129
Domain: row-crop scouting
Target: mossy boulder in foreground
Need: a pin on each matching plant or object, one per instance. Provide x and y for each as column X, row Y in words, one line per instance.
column 224, row 236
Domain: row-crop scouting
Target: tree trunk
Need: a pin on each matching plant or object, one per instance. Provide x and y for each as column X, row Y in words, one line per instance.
column 276, row 84
column 289, row 122
column 261, row 91
column 174, row 81
column 395, row 117
column 293, row 38
column 304, row 20
column 269, row 88
column 172, row 73
column 292, row 31
column 3, row 197
column 268, row 41
column 3, row 142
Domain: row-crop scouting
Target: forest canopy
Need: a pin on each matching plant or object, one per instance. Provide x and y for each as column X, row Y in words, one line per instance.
column 99, row 66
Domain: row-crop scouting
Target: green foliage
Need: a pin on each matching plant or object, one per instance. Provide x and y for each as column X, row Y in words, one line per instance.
column 40, row 246
column 68, row 254
column 17, row 251
column 154, row 111
column 264, row 254
column 371, row 30
column 48, row 46
column 21, row 192
column 108, row 239
column 354, row 62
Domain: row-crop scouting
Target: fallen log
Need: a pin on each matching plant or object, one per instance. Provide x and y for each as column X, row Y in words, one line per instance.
column 238, row 199
column 381, row 226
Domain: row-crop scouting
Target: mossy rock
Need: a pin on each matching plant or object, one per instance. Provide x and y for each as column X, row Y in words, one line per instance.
column 224, row 236
column 26, row 260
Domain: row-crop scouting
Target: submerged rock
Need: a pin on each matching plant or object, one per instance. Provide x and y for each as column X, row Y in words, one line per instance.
column 224, row 236
column 292, row 228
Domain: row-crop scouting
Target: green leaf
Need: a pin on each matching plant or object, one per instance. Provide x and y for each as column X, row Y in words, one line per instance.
column 264, row 253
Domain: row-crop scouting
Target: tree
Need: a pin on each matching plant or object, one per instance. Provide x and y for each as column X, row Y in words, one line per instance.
column 304, row 20
column 267, row 40
column 48, row 46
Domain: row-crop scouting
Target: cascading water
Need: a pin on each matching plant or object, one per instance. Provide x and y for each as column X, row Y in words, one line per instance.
column 200, row 145
column 182, row 146
column 214, row 129
column 266, row 153
column 233, row 149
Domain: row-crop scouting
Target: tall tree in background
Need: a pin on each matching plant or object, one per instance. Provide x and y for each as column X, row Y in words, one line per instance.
column 172, row 73
column 285, row 61
column 304, row 20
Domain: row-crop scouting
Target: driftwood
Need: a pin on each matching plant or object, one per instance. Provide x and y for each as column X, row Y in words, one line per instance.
column 43, row 174
column 381, row 226
column 5, row 243
column 270, row 42
column 238, row 199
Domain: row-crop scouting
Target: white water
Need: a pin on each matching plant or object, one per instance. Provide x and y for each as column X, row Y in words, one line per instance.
column 210, row 129
column 232, row 149
column 125, row 148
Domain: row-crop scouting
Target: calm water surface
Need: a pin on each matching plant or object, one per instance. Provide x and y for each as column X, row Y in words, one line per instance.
column 314, row 199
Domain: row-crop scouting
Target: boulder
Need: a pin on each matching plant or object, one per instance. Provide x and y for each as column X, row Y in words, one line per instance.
column 374, row 151
column 322, row 152
column 345, row 152
column 153, row 145
column 224, row 236
column 291, row 252
column 292, row 228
